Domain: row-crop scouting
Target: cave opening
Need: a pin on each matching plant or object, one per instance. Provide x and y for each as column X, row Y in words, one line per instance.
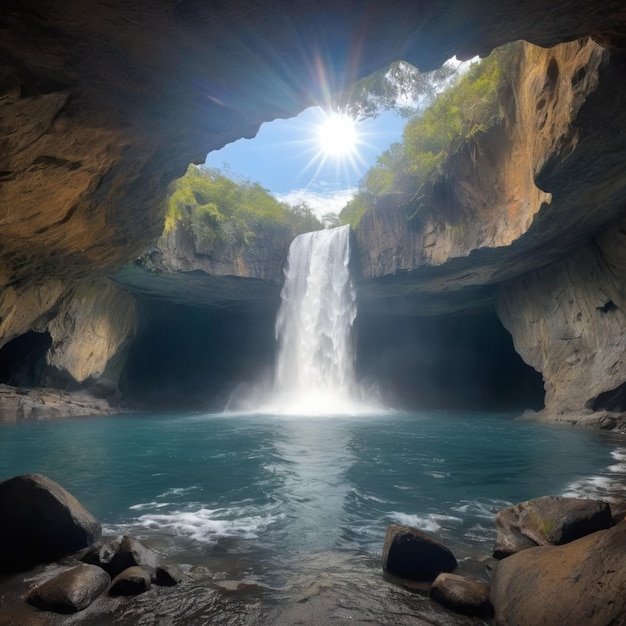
column 23, row 359
column 613, row 400
column 194, row 358
column 457, row 361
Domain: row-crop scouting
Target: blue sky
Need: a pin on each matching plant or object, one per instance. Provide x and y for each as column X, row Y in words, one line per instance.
column 286, row 159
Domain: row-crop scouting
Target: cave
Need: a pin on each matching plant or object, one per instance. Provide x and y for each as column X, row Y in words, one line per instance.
column 613, row 400
column 458, row 361
column 187, row 358
column 278, row 521
column 23, row 359
column 193, row 358
column 115, row 101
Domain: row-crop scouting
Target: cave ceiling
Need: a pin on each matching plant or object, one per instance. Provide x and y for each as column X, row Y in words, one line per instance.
column 102, row 104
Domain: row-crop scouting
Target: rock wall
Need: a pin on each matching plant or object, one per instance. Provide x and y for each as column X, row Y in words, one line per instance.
column 76, row 370
column 181, row 270
column 28, row 306
column 91, row 333
column 516, row 198
column 568, row 321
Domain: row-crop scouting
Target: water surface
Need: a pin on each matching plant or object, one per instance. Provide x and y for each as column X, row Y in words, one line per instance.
column 285, row 500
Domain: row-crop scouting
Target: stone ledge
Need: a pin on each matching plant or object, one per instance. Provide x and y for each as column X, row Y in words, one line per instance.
column 19, row 404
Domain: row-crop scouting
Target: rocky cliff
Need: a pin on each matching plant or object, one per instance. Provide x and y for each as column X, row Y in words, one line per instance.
column 180, row 269
column 568, row 320
column 516, row 218
column 515, row 198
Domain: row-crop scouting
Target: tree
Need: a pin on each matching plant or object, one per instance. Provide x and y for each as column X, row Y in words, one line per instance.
column 331, row 220
column 304, row 218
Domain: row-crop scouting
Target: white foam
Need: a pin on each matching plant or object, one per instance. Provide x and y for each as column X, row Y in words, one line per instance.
column 619, row 454
column 177, row 491
column 438, row 475
column 367, row 497
column 482, row 509
column 431, row 522
column 481, row 534
column 590, row 487
column 143, row 505
column 208, row 525
column 604, row 487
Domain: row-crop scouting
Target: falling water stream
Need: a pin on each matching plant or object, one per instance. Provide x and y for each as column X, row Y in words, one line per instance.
column 314, row 372
column 315, row 364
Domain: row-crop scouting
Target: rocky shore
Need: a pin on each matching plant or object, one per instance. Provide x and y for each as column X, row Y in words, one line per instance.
column 555, row 561
column 21, row 403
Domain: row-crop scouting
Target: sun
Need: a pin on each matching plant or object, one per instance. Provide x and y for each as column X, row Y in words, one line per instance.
column 334, row 143
column 337, row 135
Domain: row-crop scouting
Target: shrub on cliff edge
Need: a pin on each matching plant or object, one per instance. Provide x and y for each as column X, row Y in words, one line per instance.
column 408, row 170
column 219, row 209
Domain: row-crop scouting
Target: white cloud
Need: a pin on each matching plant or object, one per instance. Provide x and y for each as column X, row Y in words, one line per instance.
column 331, row 201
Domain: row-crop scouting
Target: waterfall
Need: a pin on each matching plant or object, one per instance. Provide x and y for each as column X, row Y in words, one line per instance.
column 315, row 363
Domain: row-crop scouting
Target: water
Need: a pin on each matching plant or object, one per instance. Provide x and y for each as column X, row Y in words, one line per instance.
column 287, row 500
column 315, row 364
column 334, row 482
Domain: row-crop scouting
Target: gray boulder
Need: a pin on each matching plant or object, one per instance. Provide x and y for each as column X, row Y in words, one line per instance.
column 462, row 594
column 410, row 553
column 549, row 520
column 70, row 591
column 131, row 582
column 579, row 583
column 41, row 522
column 119, row 554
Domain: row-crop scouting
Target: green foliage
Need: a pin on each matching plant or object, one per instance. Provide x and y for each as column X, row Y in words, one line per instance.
column 331, row 220
column 409, row 170
column 219, row 209
column 354, row 210
column 303, row 219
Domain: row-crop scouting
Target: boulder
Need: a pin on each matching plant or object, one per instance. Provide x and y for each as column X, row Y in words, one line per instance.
column 41, row 522
column 618, row 510
column 582, row 582
column 168, row 575
column 410, row 553
column 131, row 582
column 117, row 555
column 462, row 594
column 70, row 591
column 549, row 520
